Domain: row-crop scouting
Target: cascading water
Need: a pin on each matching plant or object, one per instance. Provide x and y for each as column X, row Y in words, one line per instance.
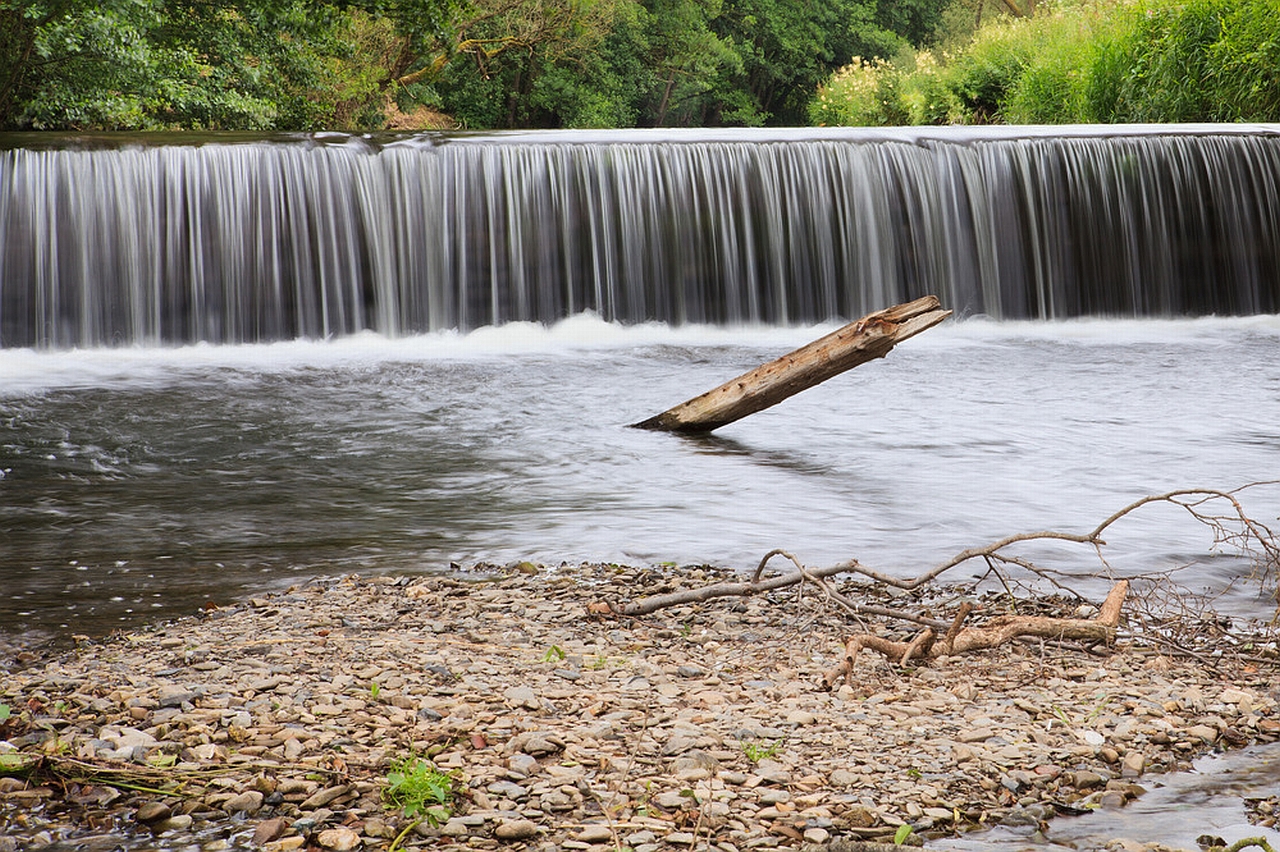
column 238, row 241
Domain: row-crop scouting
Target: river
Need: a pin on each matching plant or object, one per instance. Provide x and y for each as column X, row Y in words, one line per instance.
column 142, row 483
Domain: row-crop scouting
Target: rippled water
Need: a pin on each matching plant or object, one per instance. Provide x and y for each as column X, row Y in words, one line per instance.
column 1177, row 809
column 142, row 482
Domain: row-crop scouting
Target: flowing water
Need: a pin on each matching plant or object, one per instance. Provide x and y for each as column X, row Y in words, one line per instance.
column 143, row 482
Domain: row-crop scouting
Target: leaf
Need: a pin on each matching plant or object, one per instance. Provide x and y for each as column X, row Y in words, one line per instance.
column 900, row 836
column 16, row 761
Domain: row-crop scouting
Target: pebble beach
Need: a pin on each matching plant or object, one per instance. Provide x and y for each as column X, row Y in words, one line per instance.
column 275, row 723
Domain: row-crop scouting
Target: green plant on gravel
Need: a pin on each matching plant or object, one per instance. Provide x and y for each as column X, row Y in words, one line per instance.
column 756, row 752
column 554, row 654
column 902, row 834
column 420, row 790
column 5, row 712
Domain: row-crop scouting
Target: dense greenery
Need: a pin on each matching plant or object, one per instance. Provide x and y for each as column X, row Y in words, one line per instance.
column 357, row 64
column 368, row 64
column 1078, row 62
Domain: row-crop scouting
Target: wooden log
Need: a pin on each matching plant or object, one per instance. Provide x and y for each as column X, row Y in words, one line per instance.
column 996, row 632
column 856, row 343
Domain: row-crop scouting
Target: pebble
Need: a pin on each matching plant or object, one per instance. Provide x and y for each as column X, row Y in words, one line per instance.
column 273, row 707
column 340, row 839
column 516, row 829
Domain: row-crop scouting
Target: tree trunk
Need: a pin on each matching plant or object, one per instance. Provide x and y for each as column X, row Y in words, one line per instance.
column 856, row 343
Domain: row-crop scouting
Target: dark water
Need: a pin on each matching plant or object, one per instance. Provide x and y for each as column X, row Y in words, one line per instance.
column 139, row 483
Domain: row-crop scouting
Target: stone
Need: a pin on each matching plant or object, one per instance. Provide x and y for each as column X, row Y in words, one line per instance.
column 249, row 802
column 153, row 812
column 340, row 839
column 177, row 822
column 522, row 696
column 269, row 830
column 1133, row 764
column 596, row 833
column 516, row 829
column 323, row 797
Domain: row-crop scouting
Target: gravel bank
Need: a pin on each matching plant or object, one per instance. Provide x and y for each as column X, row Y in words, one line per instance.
column 273, row 724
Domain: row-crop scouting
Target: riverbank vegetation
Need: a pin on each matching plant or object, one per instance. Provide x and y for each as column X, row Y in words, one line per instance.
column 1143, row 61
column 415, row 64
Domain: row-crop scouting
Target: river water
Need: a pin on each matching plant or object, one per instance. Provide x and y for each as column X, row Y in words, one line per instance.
column 141, row 483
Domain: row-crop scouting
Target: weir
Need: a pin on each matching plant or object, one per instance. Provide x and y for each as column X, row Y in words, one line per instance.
column 141, row 240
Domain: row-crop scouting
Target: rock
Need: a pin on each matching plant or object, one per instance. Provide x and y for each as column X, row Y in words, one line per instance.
column 455, row 827
column 595, row 833
column 1133, row 764
column 153, row 812
column 522, row 764
column 844, row 778
column 1204, row 733
column 1084, row 779
column 177, row 822
column 340, row 839
column 323, row 797
column 508, row 790
column 522, row 696
column 516, row 829
column 269, row 830
column 249, row 802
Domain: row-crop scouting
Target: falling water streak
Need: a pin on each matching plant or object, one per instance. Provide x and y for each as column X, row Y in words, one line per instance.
column 268, row 240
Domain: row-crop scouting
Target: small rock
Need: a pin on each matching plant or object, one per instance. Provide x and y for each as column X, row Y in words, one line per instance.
column 177, row 822
column 508, row 790
column 269, row 830
column 154, row 812
column 1133, row 764
column 680, row 838
column 801, row 717
column 516, row 829
column 523, row 696
column 595, row 834
column 249, row 802
column 455, row 828
column 522, row 764
column 1203, row 732
column 816, row 835
column 1085, row 779
column 340, row 839
column 323, row 797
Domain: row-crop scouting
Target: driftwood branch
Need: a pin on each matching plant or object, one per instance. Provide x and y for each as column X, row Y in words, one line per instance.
column 996, row 632
column 1221, row 511
column 856, row 343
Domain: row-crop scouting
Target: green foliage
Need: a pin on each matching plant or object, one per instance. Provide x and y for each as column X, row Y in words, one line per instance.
column 756, row 752
column 342, row 64
column 902, row 834
column 1147, row 61
column 420, row 790
column 5, row 712
column 554, row 654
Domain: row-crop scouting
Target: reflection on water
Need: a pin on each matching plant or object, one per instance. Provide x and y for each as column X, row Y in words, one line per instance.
column 139, row 483
column 1177, row 809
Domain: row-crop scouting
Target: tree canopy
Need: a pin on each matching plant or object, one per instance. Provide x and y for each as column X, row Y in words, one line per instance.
column 356, row 64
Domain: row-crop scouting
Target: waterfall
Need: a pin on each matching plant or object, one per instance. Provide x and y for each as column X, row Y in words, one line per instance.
column 139, row 241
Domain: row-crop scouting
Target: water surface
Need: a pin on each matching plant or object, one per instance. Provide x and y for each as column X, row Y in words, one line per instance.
column 143, row 482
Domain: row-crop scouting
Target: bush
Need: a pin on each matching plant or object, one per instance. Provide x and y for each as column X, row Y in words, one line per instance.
column 1146, row 61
